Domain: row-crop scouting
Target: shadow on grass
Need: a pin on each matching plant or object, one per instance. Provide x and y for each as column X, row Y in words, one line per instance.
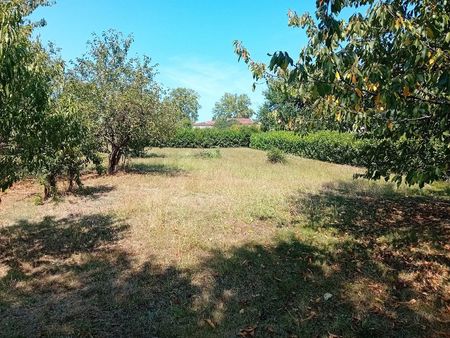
column 151, row 155
column 384, row 274
column 154, row 169
column 375, row 215
column 67, row 277
column 93, row 192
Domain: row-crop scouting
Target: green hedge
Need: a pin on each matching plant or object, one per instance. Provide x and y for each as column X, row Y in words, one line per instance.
column 416, row 160
column 329, row 146
column 209, row 138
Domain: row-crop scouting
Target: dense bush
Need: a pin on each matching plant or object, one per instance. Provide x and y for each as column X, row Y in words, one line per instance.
column 275, row 155
column 331, row 146
column 209, row 138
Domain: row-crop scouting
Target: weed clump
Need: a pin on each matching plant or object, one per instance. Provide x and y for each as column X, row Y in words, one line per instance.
column 275, row 155
column 210, row 153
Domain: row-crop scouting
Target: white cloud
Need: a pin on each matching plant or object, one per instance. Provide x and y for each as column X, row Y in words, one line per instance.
column 210, row 79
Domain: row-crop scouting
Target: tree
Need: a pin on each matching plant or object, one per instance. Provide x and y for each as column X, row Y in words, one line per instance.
column 186, row 102
column 232, row 106
column 388, row 73
column 285, row 109
column 25, row 88
column 67, row 142
column 40, row 132
column 66, row 147
column 282, row 109
column 121, row 96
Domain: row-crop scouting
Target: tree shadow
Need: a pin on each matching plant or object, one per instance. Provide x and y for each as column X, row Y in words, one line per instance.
column 394, row 244
column 153, row 155
column 69, row 277
column 404, row 222
column 93, row 192
column 292, row 289
column 154, row 169
column 269, row 290
column 383, row 274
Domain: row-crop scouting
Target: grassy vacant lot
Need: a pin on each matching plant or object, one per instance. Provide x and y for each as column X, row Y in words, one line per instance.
column 186, row 245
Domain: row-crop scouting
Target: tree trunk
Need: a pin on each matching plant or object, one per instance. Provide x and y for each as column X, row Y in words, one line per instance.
column 49, row 186
column 114, row 159
column 70, row 188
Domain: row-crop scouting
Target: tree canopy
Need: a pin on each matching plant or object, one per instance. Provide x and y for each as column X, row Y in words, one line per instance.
column 232, row 106
column 386, row 72
column 186, row 102
column 120, row 95
column 26, row 74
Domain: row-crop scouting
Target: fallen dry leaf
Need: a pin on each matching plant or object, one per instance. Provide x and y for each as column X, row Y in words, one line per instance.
column 249, row 331
column 332, row 335
column 210, row 323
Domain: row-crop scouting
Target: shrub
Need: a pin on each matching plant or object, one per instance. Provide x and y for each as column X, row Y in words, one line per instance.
column 275, row 155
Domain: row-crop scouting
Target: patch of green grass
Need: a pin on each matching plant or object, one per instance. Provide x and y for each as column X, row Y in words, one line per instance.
column 209, row 153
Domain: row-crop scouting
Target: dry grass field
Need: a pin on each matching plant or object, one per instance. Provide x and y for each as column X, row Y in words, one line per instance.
column 186, row 246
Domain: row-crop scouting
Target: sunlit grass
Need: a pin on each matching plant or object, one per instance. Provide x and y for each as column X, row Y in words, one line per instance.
column 179, row 241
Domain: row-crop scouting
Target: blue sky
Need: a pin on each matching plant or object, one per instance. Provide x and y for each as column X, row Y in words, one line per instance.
column 190, row 40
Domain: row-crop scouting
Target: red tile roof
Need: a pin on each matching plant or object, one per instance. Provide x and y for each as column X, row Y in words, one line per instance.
column 204, row 124
column 244, row 121
column 241, row 120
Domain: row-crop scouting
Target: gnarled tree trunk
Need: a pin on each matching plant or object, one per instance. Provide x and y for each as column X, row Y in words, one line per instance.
column 114, row 159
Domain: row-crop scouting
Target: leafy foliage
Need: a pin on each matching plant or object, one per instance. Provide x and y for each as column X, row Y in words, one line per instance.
column 386, row 72
column 68, row 142
column 25, row 85
column 232, row 106
column 285, row 109
column 329, row 146
column 186, row 102
column 40, row 133
column 66, row 148
column 210, row 153
column 121, row 96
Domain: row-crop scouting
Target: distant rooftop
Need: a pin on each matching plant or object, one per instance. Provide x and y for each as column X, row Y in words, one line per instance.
column 244, row 121
column 204, row 124
column 241, row 120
